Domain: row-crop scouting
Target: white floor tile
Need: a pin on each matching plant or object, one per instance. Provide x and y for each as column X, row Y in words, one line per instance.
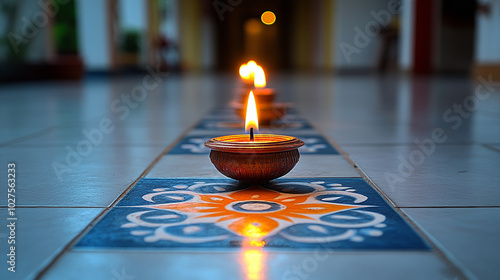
column 41, row 233
column 44, row 177
column 290, row 265
column 471, row 236
column 450, row 176
column 199, row 166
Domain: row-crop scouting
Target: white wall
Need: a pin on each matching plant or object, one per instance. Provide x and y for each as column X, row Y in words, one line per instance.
column 333, row 25
column 170, row 26
column 352, row 15
column 320, row 44
column 208, row 43
column 406, row 31
column 93, row 34
column 132, row 14
column 487, row 48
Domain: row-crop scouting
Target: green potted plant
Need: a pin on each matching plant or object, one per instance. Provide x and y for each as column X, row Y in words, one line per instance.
column 130, row 47
column 67, row 64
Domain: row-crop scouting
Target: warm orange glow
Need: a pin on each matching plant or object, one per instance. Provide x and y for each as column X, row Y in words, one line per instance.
column 259, row 77
column 253, row 232
column 253, row 26
column 245, row 72
column 268, row 17
column 253, row 256
column 254, row 264
column 261, row 138
column 257, row 243
column 251, row 119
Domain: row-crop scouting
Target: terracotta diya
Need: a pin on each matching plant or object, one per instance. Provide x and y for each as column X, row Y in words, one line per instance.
column 254, row 158
column 263, row 96
column 268, row 110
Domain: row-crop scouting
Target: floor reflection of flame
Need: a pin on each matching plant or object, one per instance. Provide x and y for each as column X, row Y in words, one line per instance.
column 254, row 263
column 253, row 257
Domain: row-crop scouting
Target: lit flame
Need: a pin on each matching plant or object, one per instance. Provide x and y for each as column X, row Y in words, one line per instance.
column 252, row 64
column 259, row 77
column 251, row 119
column 245, row 72
column 252, row 67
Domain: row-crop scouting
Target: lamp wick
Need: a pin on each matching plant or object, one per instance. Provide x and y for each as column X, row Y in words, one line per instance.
column 251, row 133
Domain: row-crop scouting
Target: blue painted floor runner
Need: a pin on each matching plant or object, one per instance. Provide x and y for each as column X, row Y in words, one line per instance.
column 298, row 213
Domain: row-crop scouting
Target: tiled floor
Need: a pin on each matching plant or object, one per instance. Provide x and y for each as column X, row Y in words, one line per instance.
column 77, row 152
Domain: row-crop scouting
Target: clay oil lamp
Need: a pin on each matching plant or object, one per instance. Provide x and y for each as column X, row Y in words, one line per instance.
column 268, row 110
column 253, row 157
column 254, row 78
column 263, row 96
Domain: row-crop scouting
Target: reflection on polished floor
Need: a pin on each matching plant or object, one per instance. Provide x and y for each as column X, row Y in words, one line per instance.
column 87, row 150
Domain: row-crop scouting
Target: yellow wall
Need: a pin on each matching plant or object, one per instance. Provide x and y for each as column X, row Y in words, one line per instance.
column 313, row 25
column 302, row 37
column 329, row 22
column 190, row 36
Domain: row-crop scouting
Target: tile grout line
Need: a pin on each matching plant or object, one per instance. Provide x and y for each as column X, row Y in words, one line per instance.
column 42, row 132
column 107, row 145
column 405, row 144
column 442, row 254
column 489, row 147
column 353, row 164
column 94, row 221
column 28, row 137
column 398, row 210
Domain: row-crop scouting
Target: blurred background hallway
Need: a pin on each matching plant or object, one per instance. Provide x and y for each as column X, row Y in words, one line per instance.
column 406, row 95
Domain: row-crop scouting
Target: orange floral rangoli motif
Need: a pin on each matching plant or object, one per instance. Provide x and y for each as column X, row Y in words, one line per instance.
column 255, row 212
